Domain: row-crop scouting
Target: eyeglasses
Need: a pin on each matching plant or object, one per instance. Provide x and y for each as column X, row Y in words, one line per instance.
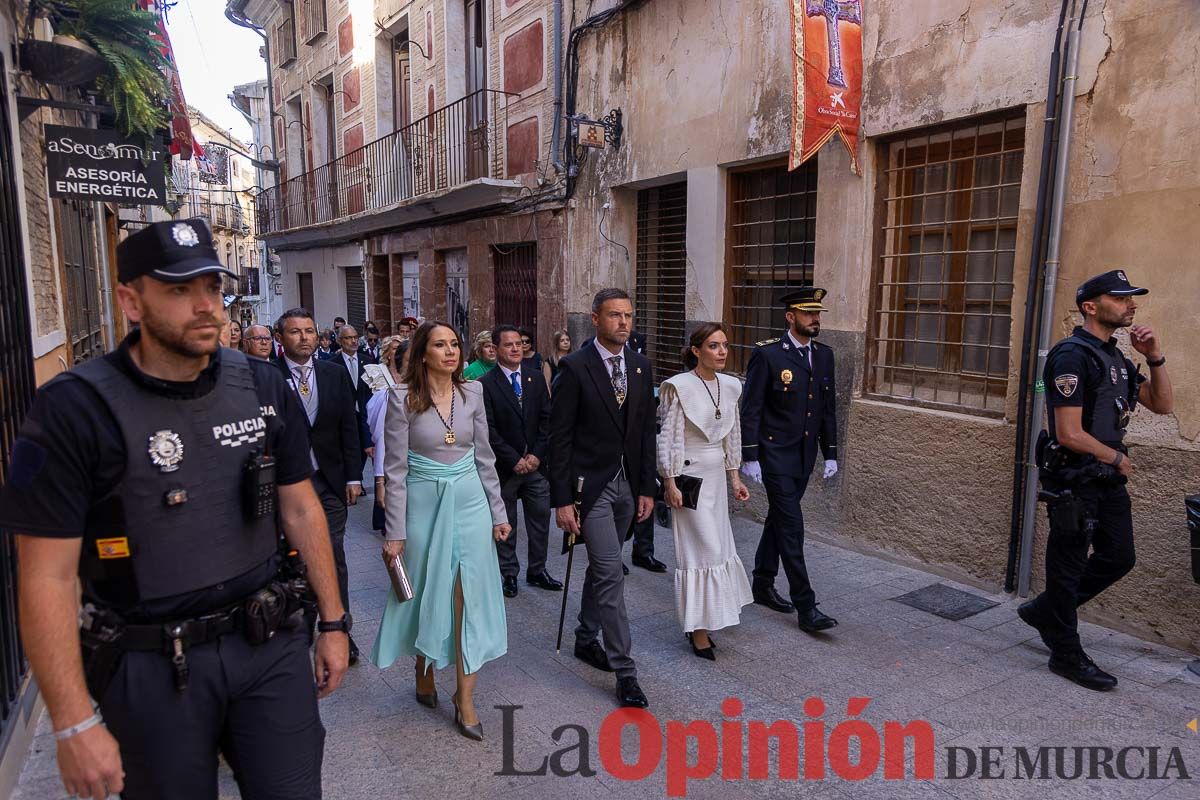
column 526, row 341
column 258, row 338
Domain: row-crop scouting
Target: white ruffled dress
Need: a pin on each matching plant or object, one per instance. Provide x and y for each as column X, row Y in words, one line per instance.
column 710, row 582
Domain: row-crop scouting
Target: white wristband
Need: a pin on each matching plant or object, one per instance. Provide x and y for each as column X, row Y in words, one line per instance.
column 74, row 730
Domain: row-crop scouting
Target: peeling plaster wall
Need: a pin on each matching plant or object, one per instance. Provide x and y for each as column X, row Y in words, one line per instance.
column 706, row 86
column 695, row 99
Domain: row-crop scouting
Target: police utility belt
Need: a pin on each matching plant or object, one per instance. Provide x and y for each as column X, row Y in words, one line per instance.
column 1069, row 472
column 278, row 605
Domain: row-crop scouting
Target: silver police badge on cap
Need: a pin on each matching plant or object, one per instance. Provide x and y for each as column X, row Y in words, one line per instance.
column 185, row 235
column 166, row 450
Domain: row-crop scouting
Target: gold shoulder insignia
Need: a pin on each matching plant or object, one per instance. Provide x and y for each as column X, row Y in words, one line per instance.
column 768, row 341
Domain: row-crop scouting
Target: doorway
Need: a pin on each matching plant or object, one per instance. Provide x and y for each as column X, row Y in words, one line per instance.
column 516, row 285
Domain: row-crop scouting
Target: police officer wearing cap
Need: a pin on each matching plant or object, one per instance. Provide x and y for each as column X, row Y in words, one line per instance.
column 1091, row 391
column 158, row 477
column 788, row 411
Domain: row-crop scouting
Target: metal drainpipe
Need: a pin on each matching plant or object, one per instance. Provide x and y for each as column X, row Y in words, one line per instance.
column 110, row 332
column 1070, row 78
column 556, row 140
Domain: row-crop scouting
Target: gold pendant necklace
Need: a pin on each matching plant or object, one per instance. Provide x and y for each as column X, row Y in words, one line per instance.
column 449, row 437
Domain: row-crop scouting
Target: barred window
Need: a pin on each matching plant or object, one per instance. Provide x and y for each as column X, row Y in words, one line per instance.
column 661, row 275
column 771, row 240
column 942, row 305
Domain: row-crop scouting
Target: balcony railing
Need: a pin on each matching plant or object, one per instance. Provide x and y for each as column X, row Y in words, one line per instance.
column 455, row 144
column 247, row 285
column 224, row 217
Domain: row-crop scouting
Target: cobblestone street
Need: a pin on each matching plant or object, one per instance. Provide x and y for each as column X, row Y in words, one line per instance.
column 979, row 682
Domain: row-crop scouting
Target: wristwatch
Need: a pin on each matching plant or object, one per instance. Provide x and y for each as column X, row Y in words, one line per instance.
column 1162, row 360
column 344, row 624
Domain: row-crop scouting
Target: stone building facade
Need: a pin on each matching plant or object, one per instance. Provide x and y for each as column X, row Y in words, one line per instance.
column 926, row 254
column 414, row 145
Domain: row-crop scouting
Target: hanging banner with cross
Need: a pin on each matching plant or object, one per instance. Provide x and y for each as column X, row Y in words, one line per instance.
column 827, row 76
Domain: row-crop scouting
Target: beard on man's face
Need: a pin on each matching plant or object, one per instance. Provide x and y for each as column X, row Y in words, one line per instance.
column 177, row 339
column 811, row 331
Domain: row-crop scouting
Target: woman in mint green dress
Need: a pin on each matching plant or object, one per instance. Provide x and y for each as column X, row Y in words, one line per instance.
column 443, row 511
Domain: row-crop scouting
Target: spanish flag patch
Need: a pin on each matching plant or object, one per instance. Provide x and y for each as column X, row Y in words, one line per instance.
column 113, row 548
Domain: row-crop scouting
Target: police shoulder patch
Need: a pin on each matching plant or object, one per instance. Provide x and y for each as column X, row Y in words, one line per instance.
column 768, row 341
column 1066, row 384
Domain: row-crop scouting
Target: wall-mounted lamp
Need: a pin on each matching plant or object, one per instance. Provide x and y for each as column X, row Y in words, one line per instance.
column 396, row 42
column 598, row 132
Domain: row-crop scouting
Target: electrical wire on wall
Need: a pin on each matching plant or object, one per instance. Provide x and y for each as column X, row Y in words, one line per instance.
column 604, row 236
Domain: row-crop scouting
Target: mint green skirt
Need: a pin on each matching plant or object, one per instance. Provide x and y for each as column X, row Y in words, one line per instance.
column 449, row 529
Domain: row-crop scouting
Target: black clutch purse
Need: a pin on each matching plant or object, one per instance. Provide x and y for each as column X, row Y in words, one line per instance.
column 689, row 487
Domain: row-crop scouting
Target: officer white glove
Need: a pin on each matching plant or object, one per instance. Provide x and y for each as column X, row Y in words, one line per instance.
column 753, row 471
column 831, row 468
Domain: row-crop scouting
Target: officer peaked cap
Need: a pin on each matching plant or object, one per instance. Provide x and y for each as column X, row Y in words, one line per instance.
column 807, row 299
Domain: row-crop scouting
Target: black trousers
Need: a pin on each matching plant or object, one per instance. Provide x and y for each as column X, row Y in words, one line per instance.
column 257, row 706
column 333, row 501
column 783, row 539
column 1074, row 577
column 533, row 491
column 643, row 538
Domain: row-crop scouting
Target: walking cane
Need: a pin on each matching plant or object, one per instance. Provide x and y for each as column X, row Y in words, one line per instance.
column 569, row 549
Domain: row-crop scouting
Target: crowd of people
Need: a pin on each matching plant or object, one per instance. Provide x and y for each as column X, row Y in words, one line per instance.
column 158, row 483
column 456, row 440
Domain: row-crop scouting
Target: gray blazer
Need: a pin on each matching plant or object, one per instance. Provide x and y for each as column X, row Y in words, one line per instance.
column 424, row 433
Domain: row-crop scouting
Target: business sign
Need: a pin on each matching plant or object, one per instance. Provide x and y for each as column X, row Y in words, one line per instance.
column 88, row 164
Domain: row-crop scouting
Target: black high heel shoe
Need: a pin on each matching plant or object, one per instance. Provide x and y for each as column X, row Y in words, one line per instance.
column 706, row 652
column 473, row 732
column 428, row 700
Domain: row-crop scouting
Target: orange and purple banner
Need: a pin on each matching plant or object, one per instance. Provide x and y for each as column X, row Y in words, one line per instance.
column 827, row 76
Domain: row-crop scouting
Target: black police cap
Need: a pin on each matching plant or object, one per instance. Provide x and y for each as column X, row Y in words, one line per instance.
column 173, row 252
column 807, row 299
column 1112, row 282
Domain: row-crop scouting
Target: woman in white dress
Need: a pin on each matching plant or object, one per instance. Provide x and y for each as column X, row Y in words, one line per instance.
column 701, row 438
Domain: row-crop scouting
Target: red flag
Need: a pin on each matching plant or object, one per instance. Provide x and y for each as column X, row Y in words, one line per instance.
column 183, row 144
column 827, row 73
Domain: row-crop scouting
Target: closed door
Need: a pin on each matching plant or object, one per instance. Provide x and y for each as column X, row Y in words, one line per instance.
column 306, row 291
column 356, row 297
column 477, row 107
column 516, row 285
column 401, row 84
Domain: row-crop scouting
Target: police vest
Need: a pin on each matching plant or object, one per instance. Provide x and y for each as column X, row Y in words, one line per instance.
column 181, row 526
column 1114, row 396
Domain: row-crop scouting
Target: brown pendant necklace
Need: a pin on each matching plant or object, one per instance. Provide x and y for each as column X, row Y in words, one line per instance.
column 715, row 401
column 449, row 437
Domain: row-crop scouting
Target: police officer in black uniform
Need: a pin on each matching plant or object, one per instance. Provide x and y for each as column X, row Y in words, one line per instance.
column 158, row 477
column 1091, row 391
column 788, row 410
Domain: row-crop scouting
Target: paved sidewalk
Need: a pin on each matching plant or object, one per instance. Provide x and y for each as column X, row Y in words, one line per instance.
column 979, row 682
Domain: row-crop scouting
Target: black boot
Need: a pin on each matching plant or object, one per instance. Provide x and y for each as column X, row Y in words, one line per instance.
column 813, row 621
column 765, row 595
column 1077, row 667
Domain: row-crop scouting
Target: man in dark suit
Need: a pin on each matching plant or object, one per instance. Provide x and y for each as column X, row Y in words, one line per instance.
column 602, row 431
column 350, row 358
column 518, row 412
column 328, row 400
column 788, row 410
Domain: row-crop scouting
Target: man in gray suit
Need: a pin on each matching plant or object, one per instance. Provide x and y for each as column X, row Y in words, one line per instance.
column 602, row 431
